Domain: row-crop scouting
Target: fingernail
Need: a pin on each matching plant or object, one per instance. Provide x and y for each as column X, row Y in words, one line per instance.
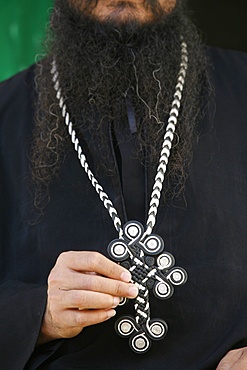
column 111, row 313
column 116, row 301
column 126, row 276
column 133, row 291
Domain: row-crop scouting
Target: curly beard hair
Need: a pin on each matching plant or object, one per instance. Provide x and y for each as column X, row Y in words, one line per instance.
column 99, row 64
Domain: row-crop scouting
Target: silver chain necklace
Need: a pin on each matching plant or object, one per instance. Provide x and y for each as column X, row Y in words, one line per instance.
column 137, row 248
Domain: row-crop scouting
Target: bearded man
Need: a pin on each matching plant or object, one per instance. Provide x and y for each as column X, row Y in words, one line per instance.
column 126, row 95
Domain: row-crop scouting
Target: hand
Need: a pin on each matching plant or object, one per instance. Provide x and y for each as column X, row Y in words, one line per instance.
column 234, row 360
column 83, row 290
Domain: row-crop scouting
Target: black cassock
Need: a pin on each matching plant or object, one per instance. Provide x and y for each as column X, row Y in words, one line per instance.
column 205, row 229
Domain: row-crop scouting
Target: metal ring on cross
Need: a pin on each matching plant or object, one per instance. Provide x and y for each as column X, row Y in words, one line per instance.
column 165, row 261
column 122, row 302
column 163, row 290
column 177, row 276
column 133, row 230
column 153, row 245
column 157, row 329
column 125, row 326
column 117, row 250
column 140, row 343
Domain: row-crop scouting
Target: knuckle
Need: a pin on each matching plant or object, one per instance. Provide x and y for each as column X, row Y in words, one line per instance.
column 53, row 277
column 112, row 269
column 94, row 259
column 80, row 319
column 118, row 289
column 64, row 256
column 61, row 257
column 223, row 365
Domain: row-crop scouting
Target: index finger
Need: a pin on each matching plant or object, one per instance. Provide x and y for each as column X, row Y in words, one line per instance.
column 94, row 262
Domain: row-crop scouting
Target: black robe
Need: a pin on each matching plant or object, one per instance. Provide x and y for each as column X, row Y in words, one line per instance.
column 206, row 230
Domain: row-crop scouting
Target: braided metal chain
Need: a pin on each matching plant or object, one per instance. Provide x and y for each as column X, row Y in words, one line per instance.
column 82, row 158
column 167, row 142
column 164, row 156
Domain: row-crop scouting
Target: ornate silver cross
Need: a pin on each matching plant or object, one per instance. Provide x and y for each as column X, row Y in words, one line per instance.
column 151, row 268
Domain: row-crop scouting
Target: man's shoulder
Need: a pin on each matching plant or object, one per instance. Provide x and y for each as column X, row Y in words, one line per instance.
column 17, row 90
column 17, row 95
column 230, row 65
column 228, row 75
column 23, row 76
column 228, row 55
column 17, row 101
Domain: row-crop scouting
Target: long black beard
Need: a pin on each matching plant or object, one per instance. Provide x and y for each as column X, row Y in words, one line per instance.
column 99, row 65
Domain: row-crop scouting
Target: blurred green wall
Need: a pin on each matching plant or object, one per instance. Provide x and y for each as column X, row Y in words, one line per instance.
column 22, row 29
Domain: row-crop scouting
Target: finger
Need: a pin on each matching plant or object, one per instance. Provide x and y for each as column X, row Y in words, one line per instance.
column 84, row 318
column 97, row 283
column 88, row 300
column 231, row 361
column 93, row 317
column 241, row 364
column 94, row 262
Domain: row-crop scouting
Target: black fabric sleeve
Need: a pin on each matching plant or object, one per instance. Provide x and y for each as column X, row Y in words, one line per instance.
column 22, row 307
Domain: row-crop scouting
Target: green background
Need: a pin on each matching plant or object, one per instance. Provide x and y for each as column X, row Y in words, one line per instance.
column 22, row 28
